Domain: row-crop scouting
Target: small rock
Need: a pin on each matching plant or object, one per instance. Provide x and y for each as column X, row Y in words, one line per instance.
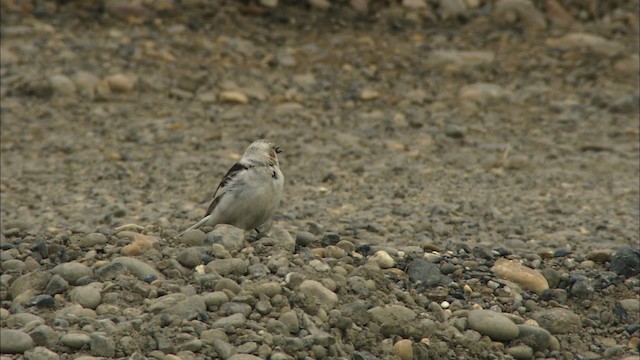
column 233, row 97
column 190, row 257
column 360, row 6
column 102, row 345
column 92, row 240
column 403, row 349
column 520, row 352
column 121, row 83
column 87, row 296
column 72, row 271
column 234, row 321
column 40, row 353
column 482, row 92
column 33, row 282
column 414, row 4
column 137, row 267
column 319, row 294
column 382, row 259
column 269, row 3
column 452, row 8
column 520, row 274
column 626, row 262
column 519, row 12
column 192, row 304
column 44, row 335
column 558, row 320
column 426, row 273
column 369, row 94
column 537, row 338
column 231, row 237
column 194, row 237
column 75, row 340
column 594, row 43
column 86, row 82
column 223, row 348
column 226, row 267
column 62, row 84
column 14, row 341
column 493, row 324
column 320, row 4
column 557, row 14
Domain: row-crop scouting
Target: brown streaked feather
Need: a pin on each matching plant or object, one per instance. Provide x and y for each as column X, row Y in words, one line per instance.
column 225, row 180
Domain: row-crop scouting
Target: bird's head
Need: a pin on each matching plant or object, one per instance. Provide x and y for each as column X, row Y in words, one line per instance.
column 263, row 151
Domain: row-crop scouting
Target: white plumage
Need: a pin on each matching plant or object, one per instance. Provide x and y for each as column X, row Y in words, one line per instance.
column 250, row 192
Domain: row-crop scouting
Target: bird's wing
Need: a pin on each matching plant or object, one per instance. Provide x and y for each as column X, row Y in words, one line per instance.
column 225, row 184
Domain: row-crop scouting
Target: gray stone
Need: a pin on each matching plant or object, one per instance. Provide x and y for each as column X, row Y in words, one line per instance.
column 190, row 257
column 626, row 261
column 62, row 84
column 14, row 341
column 558, row 320
column 40, row 353
column 22, row 319
column 215, row 299
column 228, row 266
column 88, row 296
column 34, row 281
column 318, row 294
column 137, row 267
column 520, row 352
column 535, row 337
column 13, row 265
column 244, row 357
column 193, row 237
column 102, row 345
column 93, row 239
column 234, row 321
column 492, row 324
column 72, row 271
column 56, row 285
column 421, row 271
column 44, row 335
column 290, row 320
column 223, row 348
column 75, row 340
column 231, row 237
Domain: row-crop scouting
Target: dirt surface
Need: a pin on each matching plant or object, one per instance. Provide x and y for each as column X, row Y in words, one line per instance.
column 399, row 128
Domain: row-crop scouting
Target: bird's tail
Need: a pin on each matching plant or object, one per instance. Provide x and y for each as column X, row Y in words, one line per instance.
column 196, row 225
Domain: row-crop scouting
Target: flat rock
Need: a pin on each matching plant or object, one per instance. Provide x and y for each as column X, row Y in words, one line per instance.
column 72, row 271
column 137, row 267
column 319, row 294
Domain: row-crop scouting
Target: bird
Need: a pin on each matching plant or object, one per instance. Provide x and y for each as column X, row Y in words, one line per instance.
column 250, row 192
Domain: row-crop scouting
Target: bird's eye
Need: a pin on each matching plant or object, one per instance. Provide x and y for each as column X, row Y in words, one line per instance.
column 278, row 150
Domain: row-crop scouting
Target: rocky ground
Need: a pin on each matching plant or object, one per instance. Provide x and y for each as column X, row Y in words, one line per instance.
column 462, row 179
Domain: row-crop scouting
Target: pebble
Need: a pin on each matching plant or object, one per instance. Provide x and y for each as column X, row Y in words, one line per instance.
column 595, row 43
column 62, row 84
column 320, row 4
column 93, row 240
column 31, row 282
column 528, row 278
column 421, row 271
column 223, row 348
column 14, row 341
column 102, row 345
column 492, row 324
column 414, row 4
column 190, row 257
column 520, row 13
column 459, row 59
column 318, row 294
column 231, row 321
column 537, row 338
column 403, row 349
column 482, row 92
column 194, row 237
column 233, row 97
column 626, row 262
column 520, row 352
column 231, row 237
column 88, row 296
column 558, row 320
column 40, row 353
column 44, row 335
column 226, row 267
column 382, row 259
column 369, row 94
column 137, row 267
column 121, row 83
column 72, row 271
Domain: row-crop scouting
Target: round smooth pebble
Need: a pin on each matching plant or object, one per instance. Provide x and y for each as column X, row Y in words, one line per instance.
column 87, row 296
column 41, row 353
column 403, row 349
column 493, row 324
column 75, row 340
column 320, row 294
column 14, row 341
column 383, row 259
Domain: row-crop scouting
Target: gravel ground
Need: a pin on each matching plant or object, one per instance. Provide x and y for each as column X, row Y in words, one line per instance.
column 462, row 179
